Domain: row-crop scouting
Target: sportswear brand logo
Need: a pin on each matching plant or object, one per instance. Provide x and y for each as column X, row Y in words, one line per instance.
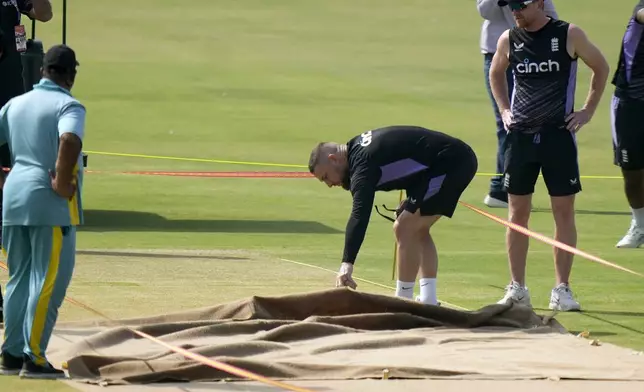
column 365, row 139
column 412, row 200
column 573, row 181
column 527, row 67
column 518, row 47
column 506, row 180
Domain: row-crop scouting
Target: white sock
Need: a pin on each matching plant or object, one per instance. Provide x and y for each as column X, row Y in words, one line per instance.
column 428, row 291
column 638, row 216
column 405, row 289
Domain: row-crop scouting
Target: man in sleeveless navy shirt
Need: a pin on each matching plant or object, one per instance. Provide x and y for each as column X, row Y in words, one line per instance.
column 433, row 168
column 627, row 115
column 542, row 124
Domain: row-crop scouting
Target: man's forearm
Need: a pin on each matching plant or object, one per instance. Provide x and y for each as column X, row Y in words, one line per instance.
column 597, row 86
column 499, row 87
column 355, row 233
column 68, row 153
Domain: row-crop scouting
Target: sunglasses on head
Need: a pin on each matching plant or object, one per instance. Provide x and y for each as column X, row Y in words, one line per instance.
column 520, row 6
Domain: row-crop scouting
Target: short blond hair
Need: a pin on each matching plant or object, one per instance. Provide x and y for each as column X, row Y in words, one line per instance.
column 318, row 154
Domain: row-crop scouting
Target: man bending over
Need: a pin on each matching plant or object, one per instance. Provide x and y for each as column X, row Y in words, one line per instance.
column 433, row 168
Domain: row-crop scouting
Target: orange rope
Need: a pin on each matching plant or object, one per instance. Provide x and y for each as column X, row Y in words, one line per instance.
column 550, row 241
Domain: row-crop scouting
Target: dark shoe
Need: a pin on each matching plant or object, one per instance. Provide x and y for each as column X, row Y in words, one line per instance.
column 496, row 201
column 10, row 365
column 47, row 372
column 503, row 196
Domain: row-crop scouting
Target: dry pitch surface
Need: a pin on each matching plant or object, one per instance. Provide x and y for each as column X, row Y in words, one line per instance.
column 131, row 283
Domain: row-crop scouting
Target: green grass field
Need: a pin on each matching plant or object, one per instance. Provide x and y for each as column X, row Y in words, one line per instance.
column 265, row 81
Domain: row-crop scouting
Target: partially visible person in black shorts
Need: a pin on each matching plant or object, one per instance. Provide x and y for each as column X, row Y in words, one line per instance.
column 432, row 167
column 627, row 118
column 542, row 124
column 13, row 41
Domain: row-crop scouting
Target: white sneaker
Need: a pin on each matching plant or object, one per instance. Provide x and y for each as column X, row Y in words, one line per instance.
column 515, row 293
column 561, row 299
column 494, row 203
column 633, row 238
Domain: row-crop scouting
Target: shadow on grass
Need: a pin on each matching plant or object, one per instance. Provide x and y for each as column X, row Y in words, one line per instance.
column 593, row 315
column 614, row 313
column 587, row 212
column 593, row 334
column 107, row 220
column 590, row 315
column 151, row 255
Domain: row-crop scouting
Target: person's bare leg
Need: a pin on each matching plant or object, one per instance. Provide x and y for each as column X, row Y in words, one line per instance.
column 518, row 243
column 517, row 247
column 429, row 262
column 429, row 254
column 563, row 210
column 409, row 253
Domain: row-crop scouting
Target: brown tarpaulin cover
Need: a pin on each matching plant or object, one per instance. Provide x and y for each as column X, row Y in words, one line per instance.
column 344, row 334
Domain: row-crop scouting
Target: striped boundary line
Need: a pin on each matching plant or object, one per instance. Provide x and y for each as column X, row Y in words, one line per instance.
column 269, row 164
column 197, row 357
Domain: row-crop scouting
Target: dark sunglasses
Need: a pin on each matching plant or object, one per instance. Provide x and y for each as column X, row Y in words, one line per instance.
column 520, row 6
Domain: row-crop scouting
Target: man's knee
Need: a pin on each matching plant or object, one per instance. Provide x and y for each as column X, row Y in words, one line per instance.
column 417, row 230
column 519, row 209
column 404, row 231
column 563, row 210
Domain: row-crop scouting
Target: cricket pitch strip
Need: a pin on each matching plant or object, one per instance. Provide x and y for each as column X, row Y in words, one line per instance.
column 247, row 310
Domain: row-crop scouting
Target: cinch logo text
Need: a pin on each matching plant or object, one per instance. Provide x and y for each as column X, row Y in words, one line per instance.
column 527, row 67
